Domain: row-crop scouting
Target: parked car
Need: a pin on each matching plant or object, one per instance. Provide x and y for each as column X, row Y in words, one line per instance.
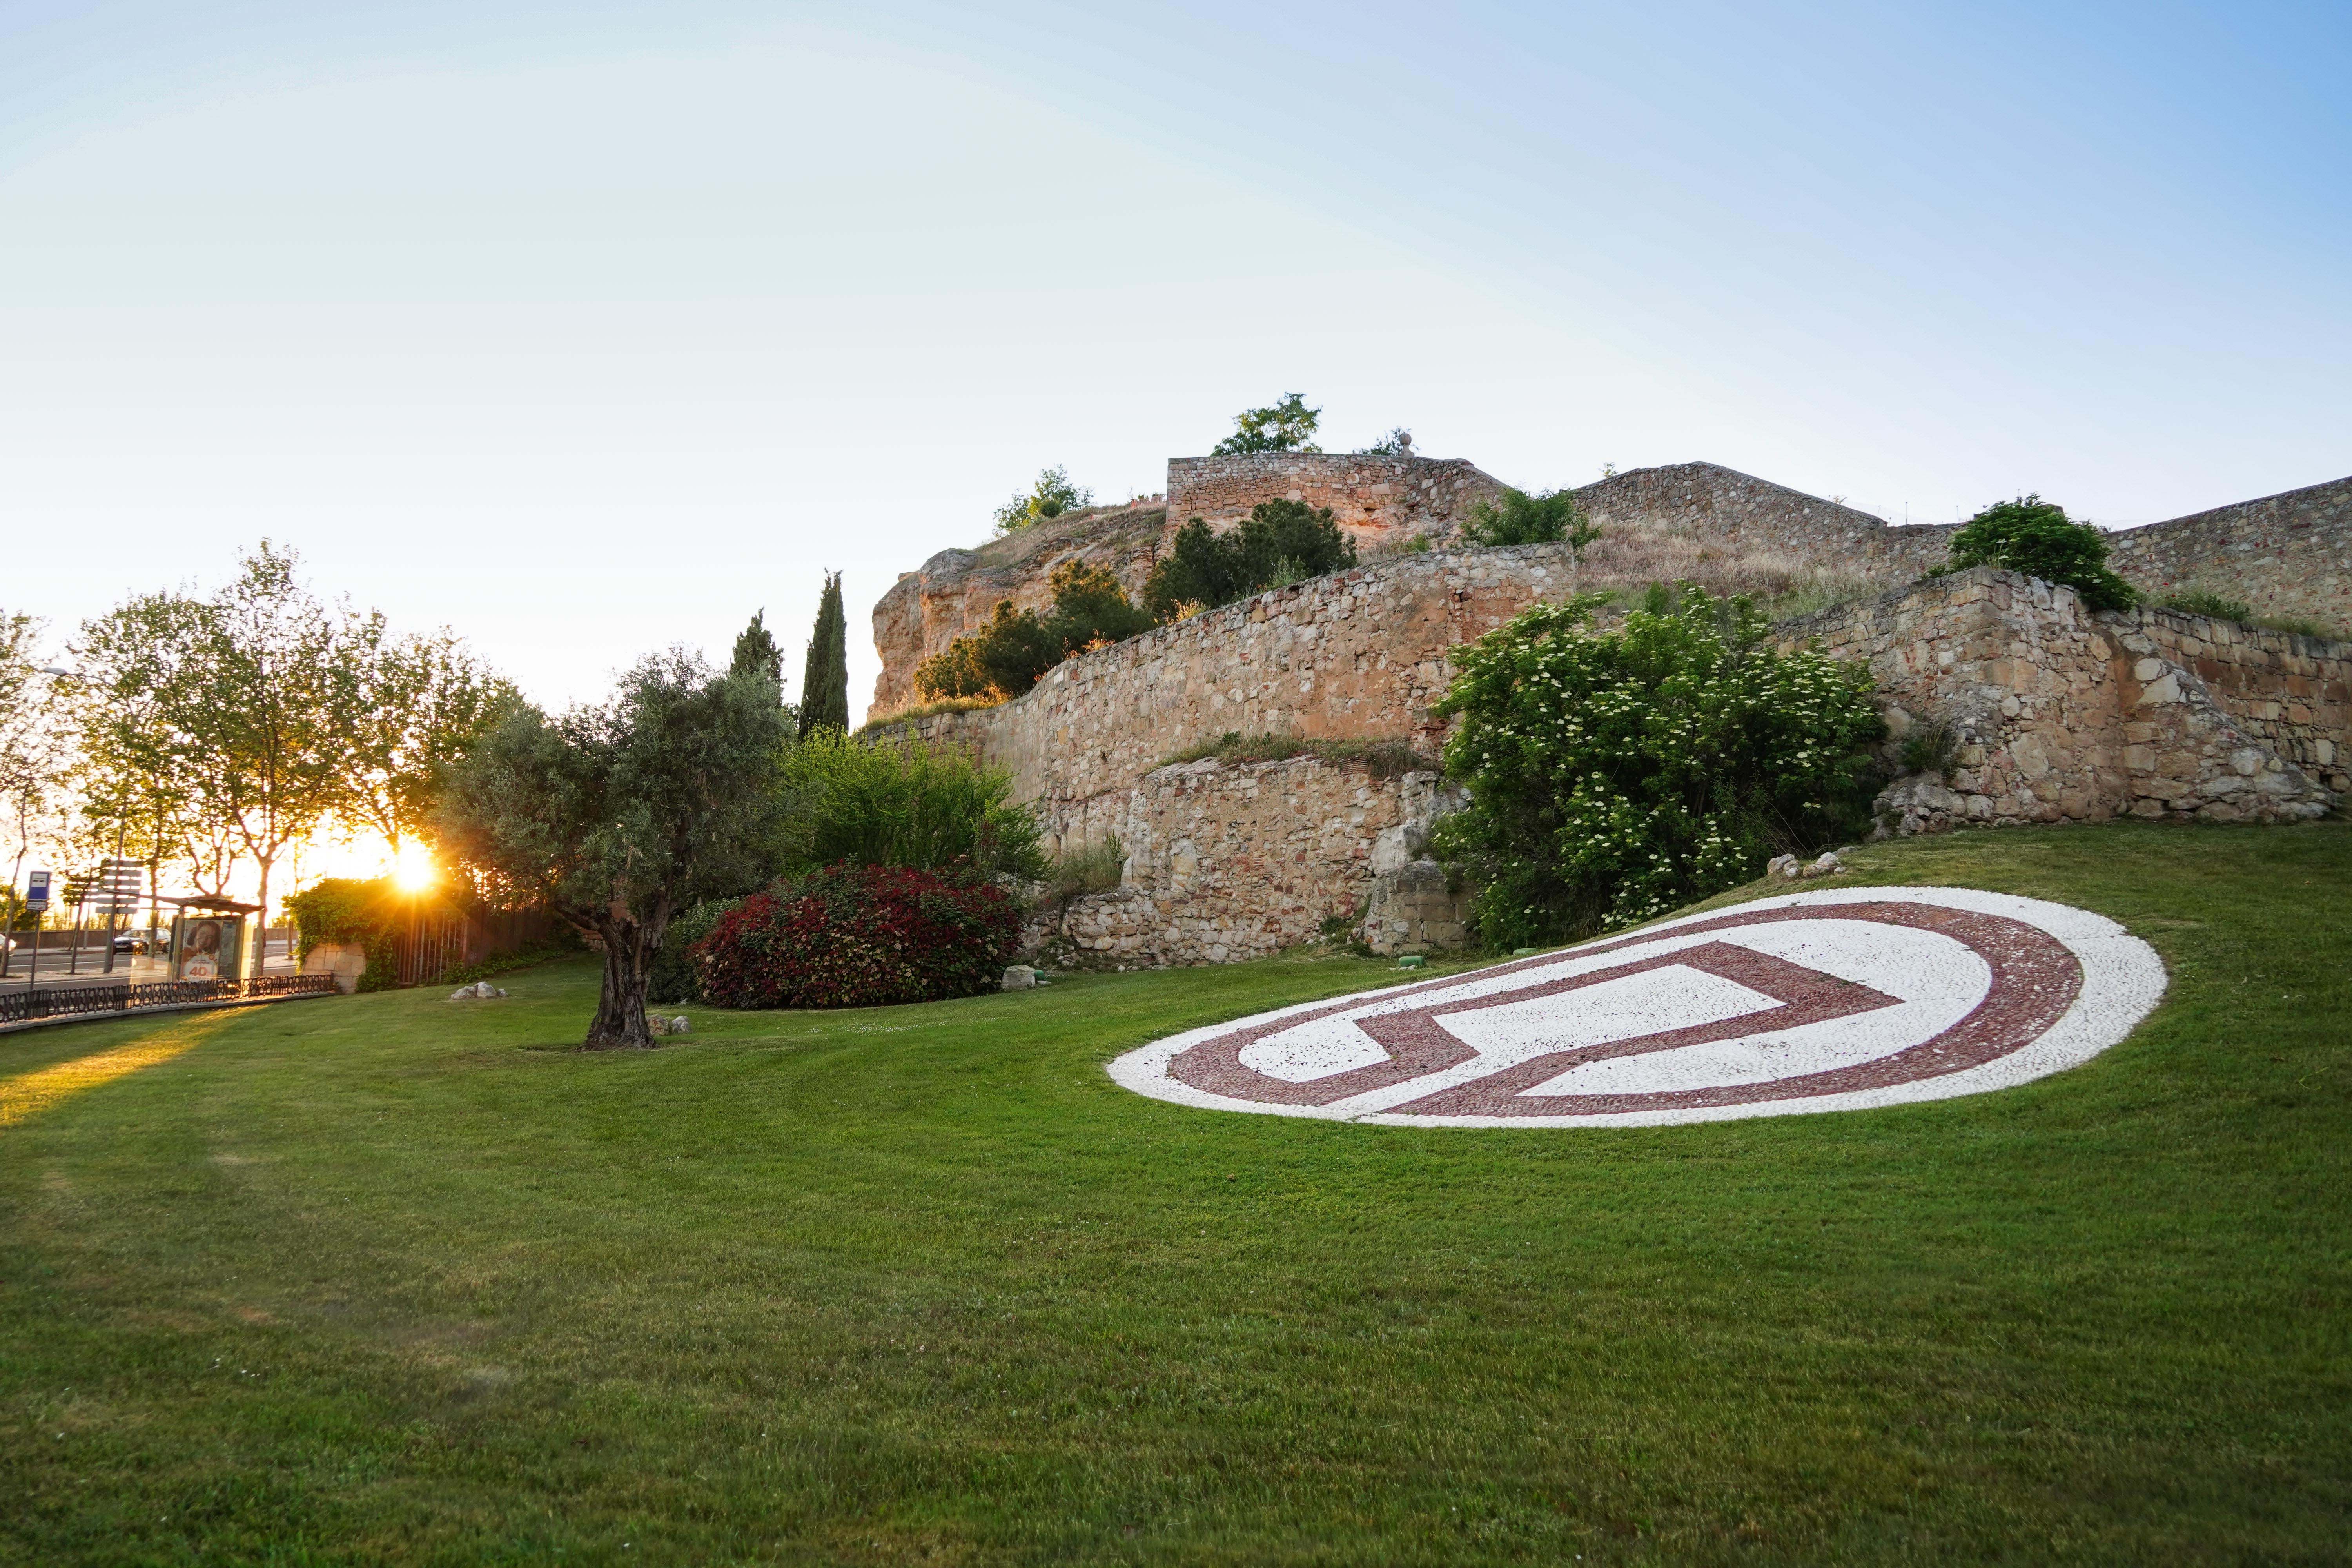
column 133, row 942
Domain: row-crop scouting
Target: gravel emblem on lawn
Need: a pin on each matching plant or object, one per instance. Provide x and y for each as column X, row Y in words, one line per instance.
column 1812, row 1002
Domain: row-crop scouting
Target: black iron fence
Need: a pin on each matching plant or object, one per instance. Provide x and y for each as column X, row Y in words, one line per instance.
column 72, row 1001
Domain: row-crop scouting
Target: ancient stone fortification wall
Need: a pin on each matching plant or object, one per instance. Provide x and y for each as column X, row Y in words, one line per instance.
column 1755, row 514
column 2292, row 693
column 1356, row 655
column 1229, row 861
column 2287, row 555
column 1380, row 501
column 2061, row 716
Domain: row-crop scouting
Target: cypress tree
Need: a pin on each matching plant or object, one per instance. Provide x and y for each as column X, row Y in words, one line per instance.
column 824, row 685
column 756, row 653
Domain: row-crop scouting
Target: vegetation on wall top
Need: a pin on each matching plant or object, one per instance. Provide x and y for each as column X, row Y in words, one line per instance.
column 1284, row 427
column 2035, row 536
column 1050, row 496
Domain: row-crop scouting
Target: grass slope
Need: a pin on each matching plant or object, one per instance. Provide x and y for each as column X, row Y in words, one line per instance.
column 390, row 1277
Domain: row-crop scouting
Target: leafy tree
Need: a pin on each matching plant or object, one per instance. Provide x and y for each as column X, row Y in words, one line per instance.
column 825, row 679
column 236, row 708
column 1280, row 542
column 2033, row 536
column 1286, row 426
column 1050, row 496
column 33, row 752
column 1615, row 776
column 619, row 815
column 1015, row 649
column 408, row 707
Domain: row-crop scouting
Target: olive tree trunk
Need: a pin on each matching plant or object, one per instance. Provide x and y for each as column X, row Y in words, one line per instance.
column 620, row 1021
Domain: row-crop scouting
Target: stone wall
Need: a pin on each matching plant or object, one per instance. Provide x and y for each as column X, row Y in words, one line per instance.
column 1229, row 861
column 2291, row 692
column 2287, row 556
column 1356, row 655
column 1754, row 514
column 2057, row 715
column 1380, row 502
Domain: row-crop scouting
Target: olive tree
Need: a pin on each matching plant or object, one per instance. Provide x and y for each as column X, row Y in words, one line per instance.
column 619, row 815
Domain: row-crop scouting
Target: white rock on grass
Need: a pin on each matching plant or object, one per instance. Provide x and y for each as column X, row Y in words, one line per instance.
column 1785, row 866
column 1020, row 977
column 1829, row 865
column 481, row 991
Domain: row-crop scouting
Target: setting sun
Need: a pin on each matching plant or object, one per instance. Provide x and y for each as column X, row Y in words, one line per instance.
column 412, row 869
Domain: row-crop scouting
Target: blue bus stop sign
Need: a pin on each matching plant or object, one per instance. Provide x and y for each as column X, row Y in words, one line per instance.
column 36, row 891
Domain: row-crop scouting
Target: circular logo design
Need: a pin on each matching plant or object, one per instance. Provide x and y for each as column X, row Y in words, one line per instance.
column 1824, row 1000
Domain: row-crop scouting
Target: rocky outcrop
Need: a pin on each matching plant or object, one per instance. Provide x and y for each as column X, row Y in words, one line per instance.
column 957, row 591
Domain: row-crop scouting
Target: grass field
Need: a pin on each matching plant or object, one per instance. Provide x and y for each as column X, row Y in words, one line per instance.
column 393, row 1278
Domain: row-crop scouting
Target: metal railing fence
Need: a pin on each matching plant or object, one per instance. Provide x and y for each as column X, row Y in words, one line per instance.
column 70, row 1000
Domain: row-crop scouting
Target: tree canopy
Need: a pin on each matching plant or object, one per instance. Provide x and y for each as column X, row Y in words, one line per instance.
column 1284, row 427
column 824, row 679
column 620, row 815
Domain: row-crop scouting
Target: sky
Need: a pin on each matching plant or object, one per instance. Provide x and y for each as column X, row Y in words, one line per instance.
column 589, row 330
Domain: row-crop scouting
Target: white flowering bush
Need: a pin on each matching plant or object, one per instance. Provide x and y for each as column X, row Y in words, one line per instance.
column 1615, row 776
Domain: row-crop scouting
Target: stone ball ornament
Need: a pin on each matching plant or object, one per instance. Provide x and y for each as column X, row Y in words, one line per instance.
column 1843, row 1000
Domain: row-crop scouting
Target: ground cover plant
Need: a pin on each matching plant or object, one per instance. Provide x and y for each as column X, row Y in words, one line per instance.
column 395, row 1277
column 1617, row 772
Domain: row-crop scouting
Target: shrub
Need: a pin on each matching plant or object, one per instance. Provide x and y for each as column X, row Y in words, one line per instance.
column 902, row 804
column 1518, row 518
column 1932, row 747
column 671, row 977
column 1015, row 649
column 2033, row 536
column 1280, row 542
column 1090, row 870
column 369, row 912
column 1050, row 496
column 859, row 936
column 1614, row 776
column 2198, row 603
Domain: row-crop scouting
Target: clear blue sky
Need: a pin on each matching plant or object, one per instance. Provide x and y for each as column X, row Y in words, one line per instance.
column 586, row 329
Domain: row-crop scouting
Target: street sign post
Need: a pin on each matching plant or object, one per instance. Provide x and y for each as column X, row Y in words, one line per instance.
column 37, row 900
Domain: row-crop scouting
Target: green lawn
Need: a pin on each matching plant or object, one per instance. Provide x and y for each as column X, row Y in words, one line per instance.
column 390, row 1277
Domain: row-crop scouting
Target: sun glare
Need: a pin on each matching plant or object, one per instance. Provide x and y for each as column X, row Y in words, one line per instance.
column 413, row 871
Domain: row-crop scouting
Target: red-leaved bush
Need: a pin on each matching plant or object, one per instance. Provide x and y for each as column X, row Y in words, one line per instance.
column 859, row 936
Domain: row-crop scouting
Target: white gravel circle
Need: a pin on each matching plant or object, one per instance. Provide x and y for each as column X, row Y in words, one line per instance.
column 1900, row 993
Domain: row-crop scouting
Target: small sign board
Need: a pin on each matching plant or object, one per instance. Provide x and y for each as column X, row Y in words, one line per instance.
column 36, row 891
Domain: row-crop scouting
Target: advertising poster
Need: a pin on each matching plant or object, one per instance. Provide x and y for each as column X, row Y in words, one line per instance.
column 207, row 947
